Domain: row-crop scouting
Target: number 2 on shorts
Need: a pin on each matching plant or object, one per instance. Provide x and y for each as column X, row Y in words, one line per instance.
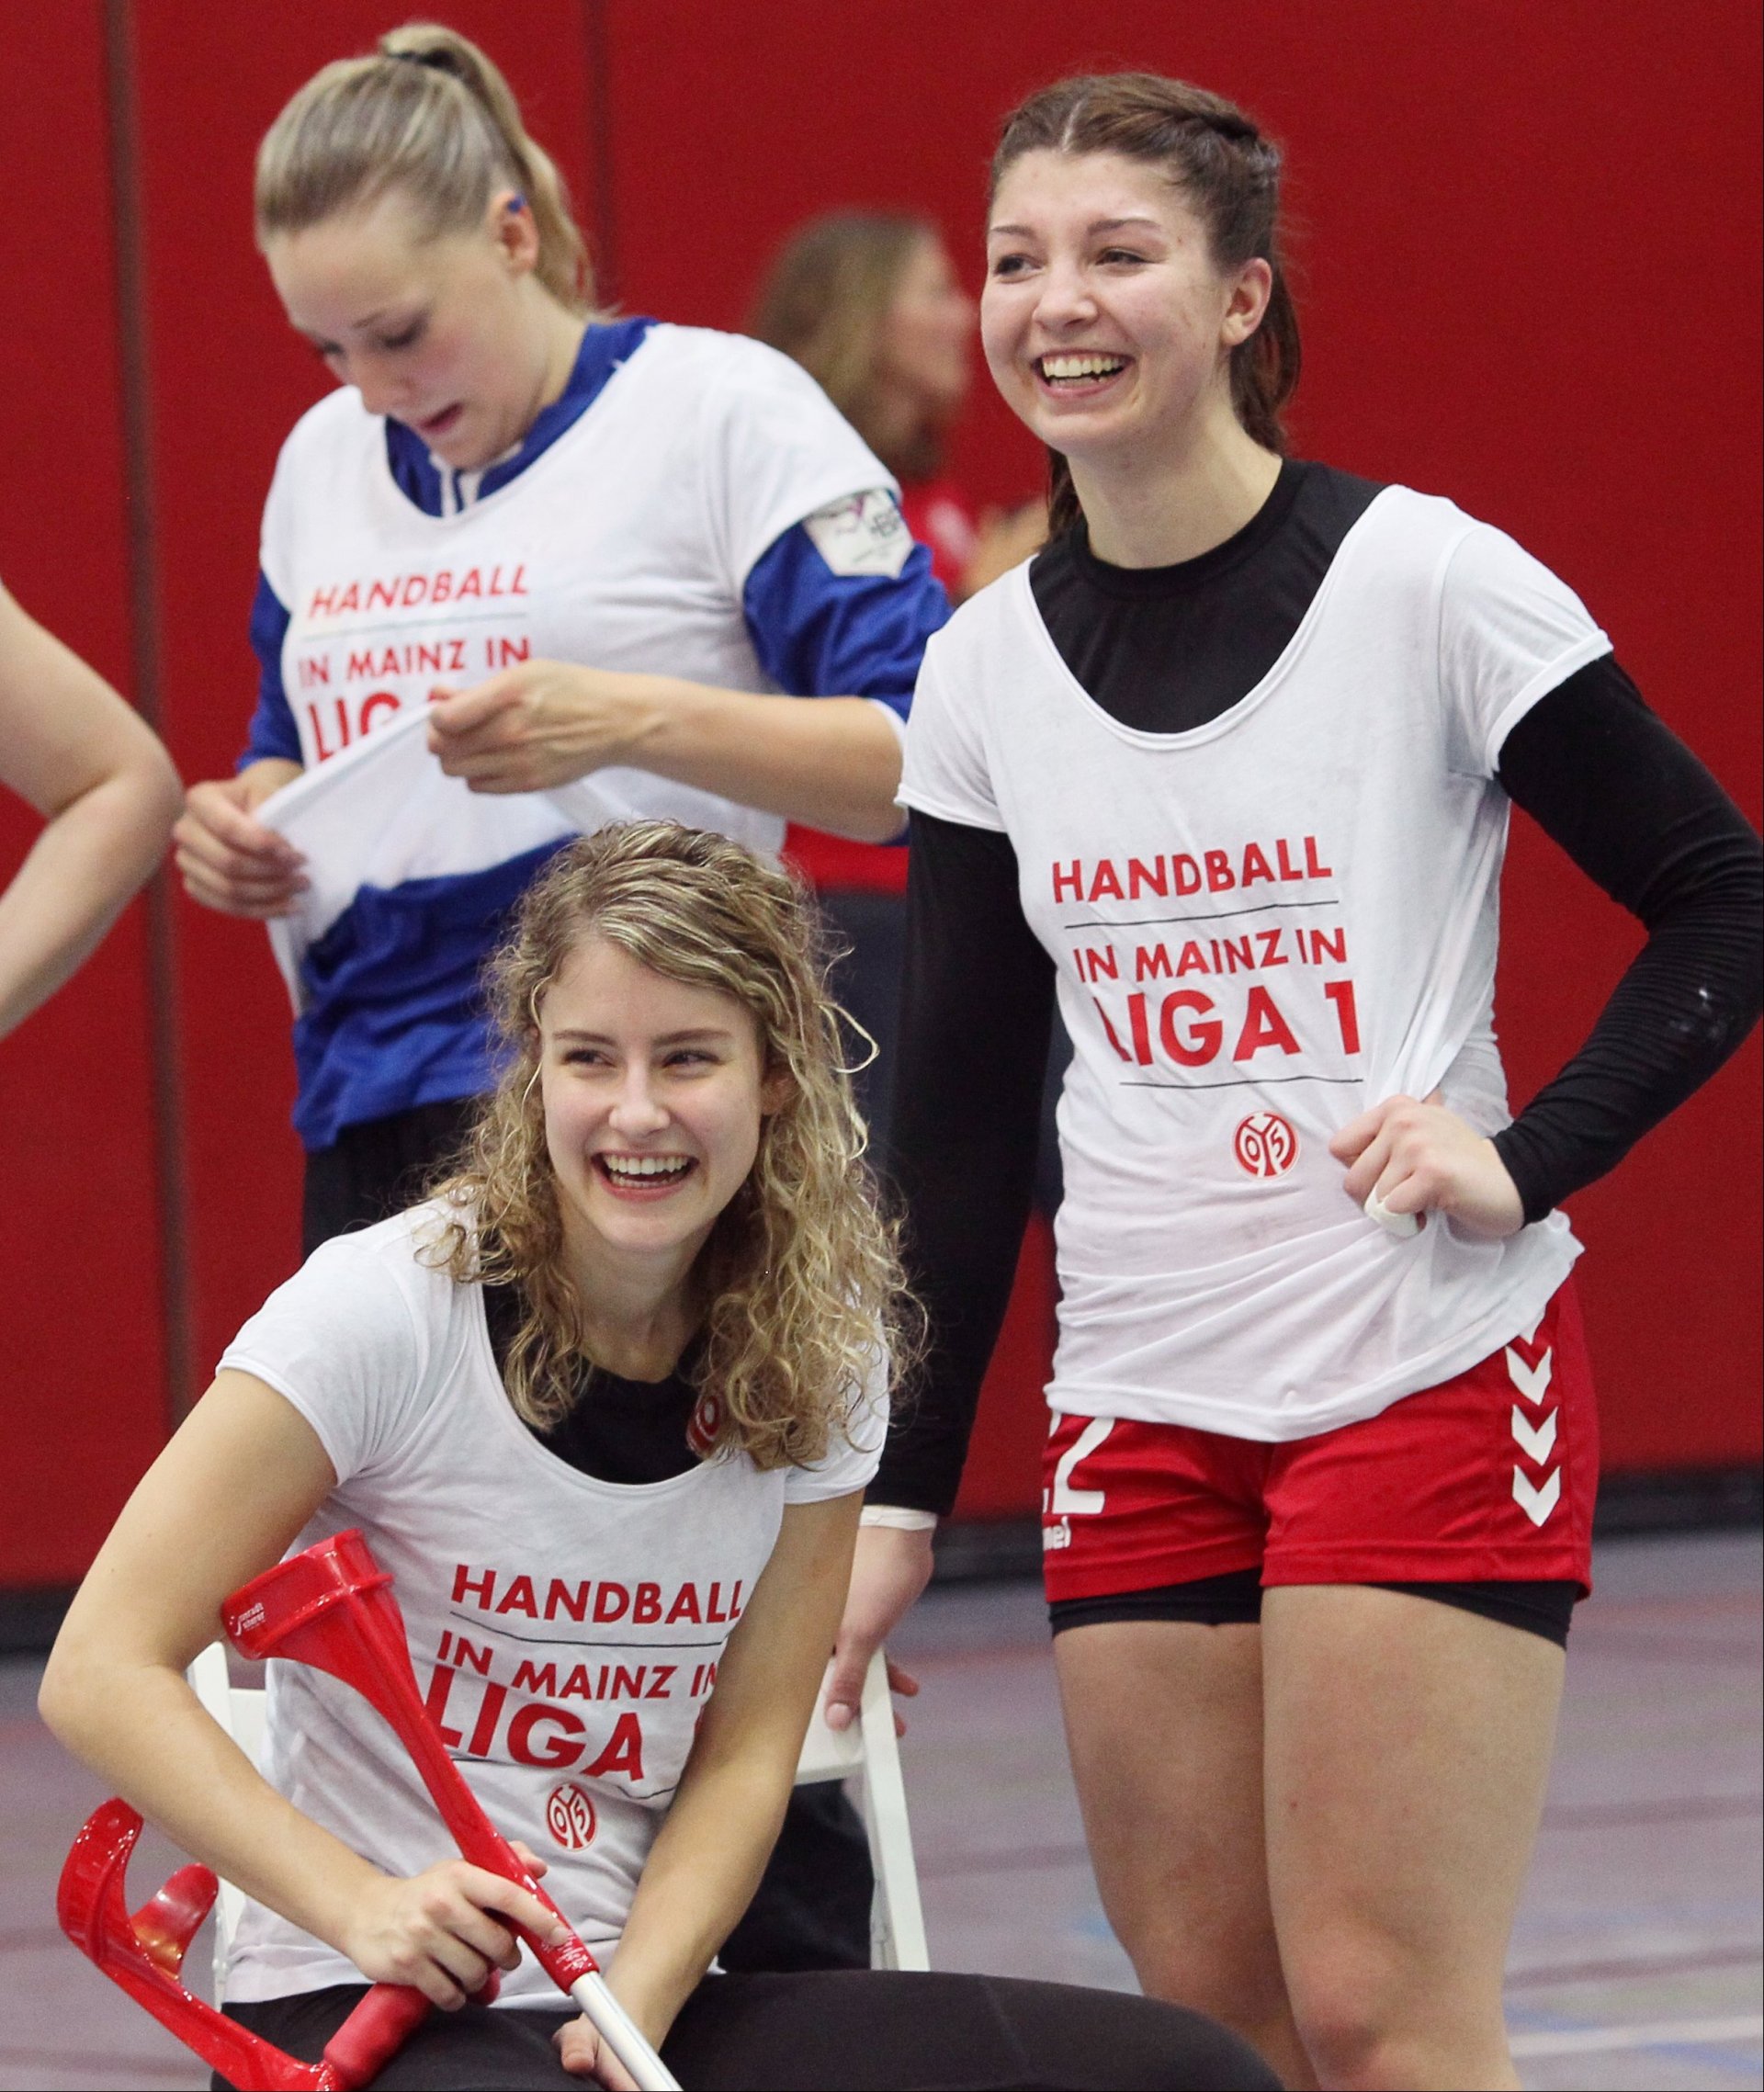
column 1066, row 1499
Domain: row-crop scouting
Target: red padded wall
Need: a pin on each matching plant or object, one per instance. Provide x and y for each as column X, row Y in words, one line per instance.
column 82, row 1376
column 1528, row 267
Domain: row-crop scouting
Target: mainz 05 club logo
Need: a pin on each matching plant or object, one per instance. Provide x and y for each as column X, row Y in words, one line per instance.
column 570, row 1816
column 1265, row 1144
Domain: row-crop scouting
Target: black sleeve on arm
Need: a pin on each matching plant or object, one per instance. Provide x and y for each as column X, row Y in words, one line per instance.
column 976, row 1007
column 1603, row 777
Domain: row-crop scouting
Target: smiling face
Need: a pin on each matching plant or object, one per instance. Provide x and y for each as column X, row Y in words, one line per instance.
column 654, row 1095
column 449, row 335
column 1107, row 322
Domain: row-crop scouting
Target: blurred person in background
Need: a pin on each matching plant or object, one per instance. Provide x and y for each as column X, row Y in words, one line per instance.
column 869, row 303
column 73, row 749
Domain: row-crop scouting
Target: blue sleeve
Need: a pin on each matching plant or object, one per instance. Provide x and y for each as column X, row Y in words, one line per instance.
column 273, row 732
column 820, row 634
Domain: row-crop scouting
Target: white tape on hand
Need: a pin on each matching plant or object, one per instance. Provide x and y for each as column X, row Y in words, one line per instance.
column 1401, row 1225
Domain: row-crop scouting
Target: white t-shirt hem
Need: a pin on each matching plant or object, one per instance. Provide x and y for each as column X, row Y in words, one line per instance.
column 802, row 1492
column 893, row 717
column 918, row 801
column 236, row 1361
column 1515, row 1312
column 524, row 1989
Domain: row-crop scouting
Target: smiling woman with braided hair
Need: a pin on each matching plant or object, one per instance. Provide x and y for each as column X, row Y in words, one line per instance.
column 1227, row 768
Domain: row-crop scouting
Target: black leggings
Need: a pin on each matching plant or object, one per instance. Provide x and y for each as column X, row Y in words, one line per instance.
column 1235, row 1598
column 844, row 2031
column 377, row 1169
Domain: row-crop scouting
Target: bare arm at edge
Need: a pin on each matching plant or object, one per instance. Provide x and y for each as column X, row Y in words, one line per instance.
column 74, row 750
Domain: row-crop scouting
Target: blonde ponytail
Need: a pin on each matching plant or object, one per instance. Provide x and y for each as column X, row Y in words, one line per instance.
column 431, row 116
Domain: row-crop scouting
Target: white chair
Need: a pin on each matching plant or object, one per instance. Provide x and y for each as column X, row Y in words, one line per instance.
column 868, row 1749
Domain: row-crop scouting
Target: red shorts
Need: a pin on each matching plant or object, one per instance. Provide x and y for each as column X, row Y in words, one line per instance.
column 1487, row 1477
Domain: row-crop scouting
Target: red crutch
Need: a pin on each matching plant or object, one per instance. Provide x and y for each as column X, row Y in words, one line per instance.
column 331, row 1607
column 145, row 1952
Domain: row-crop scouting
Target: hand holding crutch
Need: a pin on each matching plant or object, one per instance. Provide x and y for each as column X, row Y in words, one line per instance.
column 331, row 1607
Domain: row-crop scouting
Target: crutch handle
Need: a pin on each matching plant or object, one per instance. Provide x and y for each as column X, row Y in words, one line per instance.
column 145, row 1956
column 332, row 1607
column 377, row 2028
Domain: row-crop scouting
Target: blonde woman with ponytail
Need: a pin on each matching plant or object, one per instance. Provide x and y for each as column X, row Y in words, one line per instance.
column 605, row 1406
column 601, row 556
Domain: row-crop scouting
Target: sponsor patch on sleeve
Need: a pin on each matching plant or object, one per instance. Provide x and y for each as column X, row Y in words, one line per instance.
column 863, row 534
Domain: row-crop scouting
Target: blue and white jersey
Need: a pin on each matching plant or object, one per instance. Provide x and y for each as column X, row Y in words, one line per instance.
column 692, row 506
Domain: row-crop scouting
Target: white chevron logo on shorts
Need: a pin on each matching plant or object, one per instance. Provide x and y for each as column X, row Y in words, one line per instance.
column 1533, row 1380
column 1537, row 1504
column 1535, row 1440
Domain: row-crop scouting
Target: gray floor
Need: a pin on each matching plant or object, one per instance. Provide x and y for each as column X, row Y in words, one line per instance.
column 1637, row 1956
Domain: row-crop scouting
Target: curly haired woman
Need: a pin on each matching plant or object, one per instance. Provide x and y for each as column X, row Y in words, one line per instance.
column 605, row 1405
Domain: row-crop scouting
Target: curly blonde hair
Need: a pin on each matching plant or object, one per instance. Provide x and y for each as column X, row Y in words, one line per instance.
column 800, row 1281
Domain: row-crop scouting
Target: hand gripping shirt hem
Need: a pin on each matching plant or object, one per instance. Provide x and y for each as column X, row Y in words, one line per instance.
column 1466, row 1348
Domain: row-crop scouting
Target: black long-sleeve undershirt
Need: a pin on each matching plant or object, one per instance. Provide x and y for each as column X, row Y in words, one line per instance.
column 976, row 1007
column 1600, row 774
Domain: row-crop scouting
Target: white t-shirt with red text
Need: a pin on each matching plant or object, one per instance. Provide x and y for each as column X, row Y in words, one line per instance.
column 565, row 1632
column 626, row 544
column 1262, row 927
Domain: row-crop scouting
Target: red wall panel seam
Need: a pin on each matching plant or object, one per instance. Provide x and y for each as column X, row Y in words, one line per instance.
column 144, row 643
